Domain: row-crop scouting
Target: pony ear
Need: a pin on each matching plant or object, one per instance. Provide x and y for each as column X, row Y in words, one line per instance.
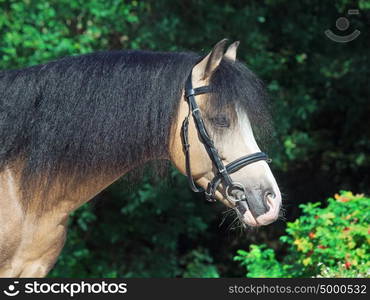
column 231, row 51
column 205, row 68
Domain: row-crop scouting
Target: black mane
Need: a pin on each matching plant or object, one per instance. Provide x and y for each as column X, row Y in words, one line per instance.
column 104, row 112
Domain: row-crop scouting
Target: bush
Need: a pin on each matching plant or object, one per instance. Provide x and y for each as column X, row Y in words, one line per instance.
column 199, row 264
column 324, row 242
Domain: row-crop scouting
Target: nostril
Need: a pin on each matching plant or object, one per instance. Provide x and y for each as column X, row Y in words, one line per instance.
column 259, row 202
column 273, row 200
column 268, row 194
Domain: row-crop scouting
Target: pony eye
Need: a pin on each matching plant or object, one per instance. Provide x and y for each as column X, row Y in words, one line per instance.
column 221, row 121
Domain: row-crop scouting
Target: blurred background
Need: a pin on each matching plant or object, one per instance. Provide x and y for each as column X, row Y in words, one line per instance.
column 319, row 90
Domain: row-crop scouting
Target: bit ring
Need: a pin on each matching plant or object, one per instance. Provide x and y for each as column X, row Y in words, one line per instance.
column 234, row 186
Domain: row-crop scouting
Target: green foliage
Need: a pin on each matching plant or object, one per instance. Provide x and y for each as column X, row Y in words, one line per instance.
column 260, row 261
column 199, row 265
column 35, row 31
column 323, row 242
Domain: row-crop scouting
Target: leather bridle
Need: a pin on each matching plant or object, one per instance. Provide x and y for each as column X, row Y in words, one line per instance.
column 223, row 172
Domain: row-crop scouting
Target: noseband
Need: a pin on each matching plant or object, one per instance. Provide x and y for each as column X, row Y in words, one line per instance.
column 223, row 172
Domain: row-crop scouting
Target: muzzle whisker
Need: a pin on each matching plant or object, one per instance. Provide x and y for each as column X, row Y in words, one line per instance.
column 226, row 214
column 228, row 211
column 232, row 223
column 222, row 221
